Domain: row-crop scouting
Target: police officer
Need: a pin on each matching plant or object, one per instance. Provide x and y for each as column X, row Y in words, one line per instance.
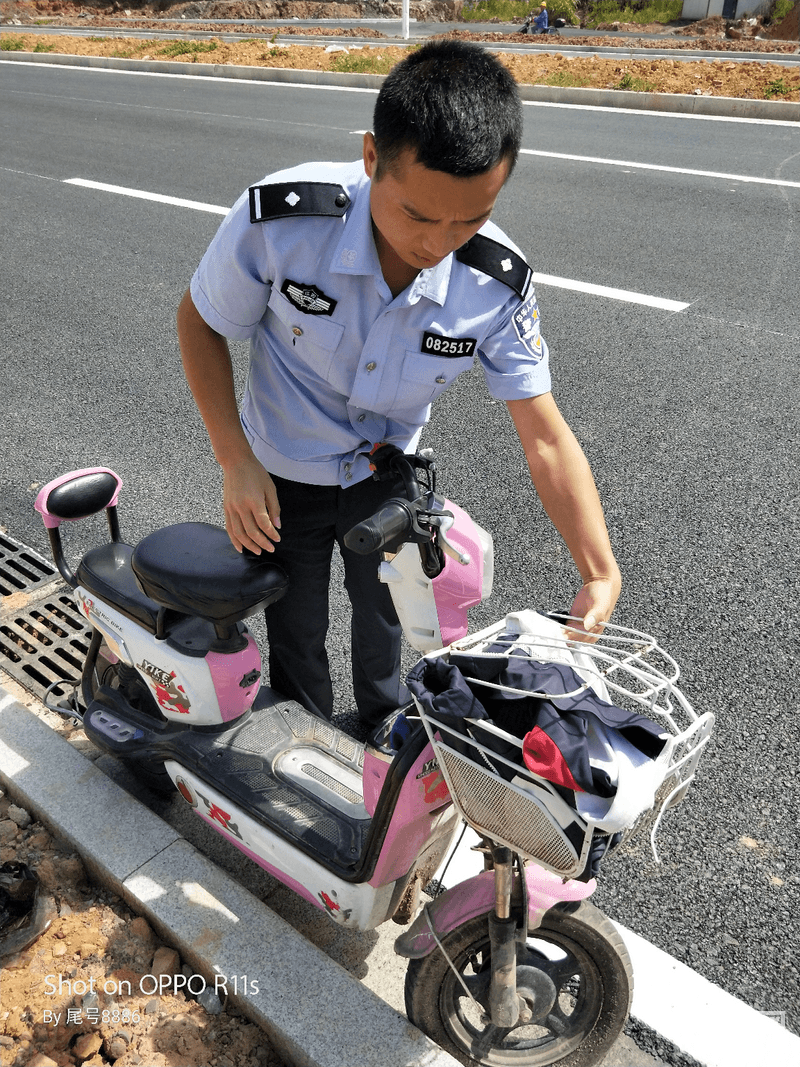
column 364, row 290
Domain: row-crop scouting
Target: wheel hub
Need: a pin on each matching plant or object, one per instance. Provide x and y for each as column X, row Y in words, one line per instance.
column 537, row 992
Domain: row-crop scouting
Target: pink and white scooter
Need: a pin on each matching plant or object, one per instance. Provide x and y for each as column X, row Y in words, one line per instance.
column 511, row 965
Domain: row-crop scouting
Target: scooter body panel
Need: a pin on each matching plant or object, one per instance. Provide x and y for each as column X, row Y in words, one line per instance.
column 423, row 813
column 197, row 690
column 359, row 906
column 475, row 896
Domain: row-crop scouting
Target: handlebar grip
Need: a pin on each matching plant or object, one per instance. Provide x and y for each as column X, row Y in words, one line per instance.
column 394, row 522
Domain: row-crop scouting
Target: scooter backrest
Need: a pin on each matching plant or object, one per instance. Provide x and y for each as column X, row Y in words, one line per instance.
column 78, row 494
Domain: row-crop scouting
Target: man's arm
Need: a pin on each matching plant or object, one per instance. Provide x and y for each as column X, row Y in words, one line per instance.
column 564, row 482
column 252, row 512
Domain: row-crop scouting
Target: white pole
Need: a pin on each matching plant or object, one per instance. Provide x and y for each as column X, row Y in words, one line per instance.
column 406, row 32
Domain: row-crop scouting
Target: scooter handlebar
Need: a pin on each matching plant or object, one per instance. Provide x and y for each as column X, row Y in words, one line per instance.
column 389, row 527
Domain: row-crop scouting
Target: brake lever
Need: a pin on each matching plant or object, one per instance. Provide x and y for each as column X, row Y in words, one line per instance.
column 442, row 521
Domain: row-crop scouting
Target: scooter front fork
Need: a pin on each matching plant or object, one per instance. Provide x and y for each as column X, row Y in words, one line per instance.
column 504, row 1003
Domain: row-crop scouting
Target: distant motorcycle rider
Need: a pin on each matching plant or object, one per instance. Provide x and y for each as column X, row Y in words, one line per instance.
column 536, row 23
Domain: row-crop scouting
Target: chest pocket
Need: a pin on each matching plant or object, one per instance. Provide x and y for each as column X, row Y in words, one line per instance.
column 310, row 341
column 424, row 377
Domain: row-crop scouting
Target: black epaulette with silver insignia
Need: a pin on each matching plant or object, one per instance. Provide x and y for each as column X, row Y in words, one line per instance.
column 496, row 260
column 285, row 200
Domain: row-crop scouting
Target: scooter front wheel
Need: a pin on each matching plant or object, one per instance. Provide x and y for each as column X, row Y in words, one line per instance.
column 574, row 978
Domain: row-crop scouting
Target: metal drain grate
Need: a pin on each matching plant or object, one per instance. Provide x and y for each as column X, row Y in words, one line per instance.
column 21, row 569
column 43, row 638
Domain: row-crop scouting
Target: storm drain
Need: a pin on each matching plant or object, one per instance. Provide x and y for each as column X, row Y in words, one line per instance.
column 43, row 636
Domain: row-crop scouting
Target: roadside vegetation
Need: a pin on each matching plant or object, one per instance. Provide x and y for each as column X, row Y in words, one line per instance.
column 591, row 13
column 585, row 14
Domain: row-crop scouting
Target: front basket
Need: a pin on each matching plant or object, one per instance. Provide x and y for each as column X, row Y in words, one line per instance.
column 501, row 798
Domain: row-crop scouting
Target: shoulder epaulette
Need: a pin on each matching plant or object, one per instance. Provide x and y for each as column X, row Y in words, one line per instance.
column 285, row 200
column 496, row 260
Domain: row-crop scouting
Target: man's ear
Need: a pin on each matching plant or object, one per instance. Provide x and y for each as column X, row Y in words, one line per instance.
column 370, row 154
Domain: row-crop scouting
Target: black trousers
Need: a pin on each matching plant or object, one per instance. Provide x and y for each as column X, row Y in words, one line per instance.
column 315, row 518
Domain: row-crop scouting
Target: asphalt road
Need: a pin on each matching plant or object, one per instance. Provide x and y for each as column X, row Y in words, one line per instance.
column 689, row 418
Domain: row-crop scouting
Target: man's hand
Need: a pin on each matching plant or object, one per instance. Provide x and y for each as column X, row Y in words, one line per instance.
column 252, row 511
column 593, row 606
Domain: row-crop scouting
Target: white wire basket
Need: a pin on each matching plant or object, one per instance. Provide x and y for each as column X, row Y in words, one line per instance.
column 523, row 810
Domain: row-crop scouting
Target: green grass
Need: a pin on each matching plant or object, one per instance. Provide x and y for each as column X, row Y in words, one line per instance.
column 662, row 11
column 506, row 10
column 12, row 44
column 184, row 48
column 355, row 64
column 780, row 9
column 635, row 85
column 565, row 80
column 44, row 47
column 777, row 88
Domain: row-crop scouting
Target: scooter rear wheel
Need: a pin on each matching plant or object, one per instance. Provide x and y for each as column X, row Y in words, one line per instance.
column 575, row 978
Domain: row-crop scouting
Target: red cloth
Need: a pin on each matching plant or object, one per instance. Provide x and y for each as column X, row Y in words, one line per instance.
column 542, row 755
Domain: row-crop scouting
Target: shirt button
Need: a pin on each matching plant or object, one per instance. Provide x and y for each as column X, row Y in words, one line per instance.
column 361, row 418
column 348, row 477
column 371, row 365
column 441, row 380
column 297, row 331
column 348, row 466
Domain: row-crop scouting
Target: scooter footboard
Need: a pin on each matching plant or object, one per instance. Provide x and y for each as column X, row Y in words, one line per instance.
column 476, row 896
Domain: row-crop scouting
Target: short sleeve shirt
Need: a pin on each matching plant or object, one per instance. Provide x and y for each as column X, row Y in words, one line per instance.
column 337, row 363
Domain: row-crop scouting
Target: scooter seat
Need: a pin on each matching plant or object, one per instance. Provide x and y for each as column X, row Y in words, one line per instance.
column 106, row 572
column 193, row 568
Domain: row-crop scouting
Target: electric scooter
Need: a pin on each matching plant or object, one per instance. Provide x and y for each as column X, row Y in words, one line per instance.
column 511, row 966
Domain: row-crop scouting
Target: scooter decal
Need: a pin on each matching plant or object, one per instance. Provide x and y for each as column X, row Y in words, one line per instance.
column 215, row 813
column 430, row 765
column 89, row 608
column 169, row 695
column 434, row 787
column 332, row 907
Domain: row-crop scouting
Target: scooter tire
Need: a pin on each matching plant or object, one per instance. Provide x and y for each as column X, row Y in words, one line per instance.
column 153, row 775
column 586, row 969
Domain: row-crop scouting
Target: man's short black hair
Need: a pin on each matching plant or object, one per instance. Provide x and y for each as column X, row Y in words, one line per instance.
column 455, row 105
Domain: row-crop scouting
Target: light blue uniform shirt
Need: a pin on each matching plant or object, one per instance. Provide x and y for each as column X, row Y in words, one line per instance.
column 326, row 383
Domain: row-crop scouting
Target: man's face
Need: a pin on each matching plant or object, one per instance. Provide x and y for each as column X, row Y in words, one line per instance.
column 419, row 215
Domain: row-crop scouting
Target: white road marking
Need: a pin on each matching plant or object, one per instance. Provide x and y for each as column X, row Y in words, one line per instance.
column 561, row 283
column 633, row 112
column 139, row 194
column 658, row 166
column 630, row 112
column 543, row 279
column 698, row 1017
column 612, row 294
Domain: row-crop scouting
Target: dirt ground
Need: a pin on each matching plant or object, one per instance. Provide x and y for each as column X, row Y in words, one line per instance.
column 65, row 1000
column 717, row 77
column 707, row 77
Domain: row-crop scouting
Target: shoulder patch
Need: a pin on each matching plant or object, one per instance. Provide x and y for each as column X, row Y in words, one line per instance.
column 285, row 200
column 496, row 260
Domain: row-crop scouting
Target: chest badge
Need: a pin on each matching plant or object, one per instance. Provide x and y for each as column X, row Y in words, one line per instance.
column 307, row 298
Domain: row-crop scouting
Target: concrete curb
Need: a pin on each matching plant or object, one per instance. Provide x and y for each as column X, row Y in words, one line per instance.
column 719, row 106
column 314, row 1012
